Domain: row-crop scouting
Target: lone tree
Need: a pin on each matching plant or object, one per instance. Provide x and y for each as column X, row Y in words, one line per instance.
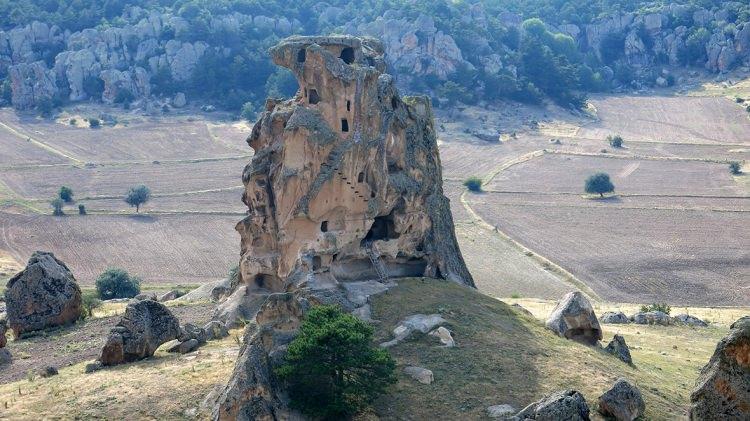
column 735, row 168
column 332, row 369
column 473, row 184
column 66, row 194
column 57, row 206
column 599, row 183
column 137, row 196
column 615, row 141
column 117, row 283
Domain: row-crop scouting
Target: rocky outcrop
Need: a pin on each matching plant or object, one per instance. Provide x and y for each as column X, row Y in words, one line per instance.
column 722, row 390
column 619, row 349
column 142, row 329
column 31, row 84
column 344, row 194
column 623, row 402
column 614, row 318
column 3, row 332
column 574, row 319
column 688, row 320
column 45, row 294
column 651, row 318
column 415, row 323
column 564, row 405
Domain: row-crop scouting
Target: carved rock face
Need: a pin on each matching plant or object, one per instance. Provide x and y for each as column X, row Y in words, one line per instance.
column 345, row 175
column 723, row 387
column 45, row 294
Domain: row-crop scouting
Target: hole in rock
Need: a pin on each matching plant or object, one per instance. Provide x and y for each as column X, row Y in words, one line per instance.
column 382, row 228
column 347, row 55
column 301, row 55
column 348, row 105
column 316, row 262
column 314, row 98
column 394, row 102
column 260, row 280
column 361, row 177
column 344, row 125
column 324, row 226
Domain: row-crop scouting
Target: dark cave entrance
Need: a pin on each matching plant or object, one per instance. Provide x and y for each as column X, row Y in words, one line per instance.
column 261, row 280
column 313, row 97
column 316, row 262
column 347, row 55
column 301, row 55
column 361, row 177
column 382, row 228
column 344, row 125
column 324, row 226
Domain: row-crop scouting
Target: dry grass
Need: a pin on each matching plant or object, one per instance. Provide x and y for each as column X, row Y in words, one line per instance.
column 505, row 357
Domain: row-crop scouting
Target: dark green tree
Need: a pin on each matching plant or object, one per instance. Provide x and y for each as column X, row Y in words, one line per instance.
column 473, row 184
column 117, row 283
column 735, row 168
column 332, row 369
column 66, row 194
column 599, row 183
column 57, row 206
column 615, row 141
column 137, row 196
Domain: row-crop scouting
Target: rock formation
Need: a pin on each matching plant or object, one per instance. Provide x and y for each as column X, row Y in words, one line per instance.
column 574, row 319
column 723, row 387
column 688, row 320
column 623, row 402
column 651, row 318
column 45, row 294
column 142, row 329
column 619, row 349
column 5, row 356
column 344, row 193
column 564, row 405
column 614, row 317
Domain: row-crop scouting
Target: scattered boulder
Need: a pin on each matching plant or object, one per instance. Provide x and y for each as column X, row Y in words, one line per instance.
column 722, row 390
column 49, row 371
column 612, row 317
column 563, row 405
column 445, row 336
column 170, row 295
column 191, row 331
column 688, row 320
column 619, row 349
column 522, row 309
column 420, row 374
column 3, row 330
column 651, row 318
column 419, row 322
column 149, row 296
column 45, row 294
column 215, row 330
column 179, row 100
column 92, row 367
column 574, row 319
column 189, row 345
column 500, row 411
column 144, row 327
column 623, row 402
column 5, row 356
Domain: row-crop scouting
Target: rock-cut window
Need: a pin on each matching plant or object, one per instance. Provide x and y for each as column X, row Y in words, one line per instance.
column 301, row 55
column 347, row 55
column 324, row 226
column 344, row 125
column 313, row 97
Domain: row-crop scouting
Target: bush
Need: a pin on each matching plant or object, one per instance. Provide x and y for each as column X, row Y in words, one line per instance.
column 735, row 168
column 331, row 368
column 94, row 123
column 66, row 194
column 473, row 184
column 117, row 283
column 137, row 196
column 615, row 141
column 599, row 183
column 89, row 302
column 57, row 206
column 81, row 210
column 663, row 307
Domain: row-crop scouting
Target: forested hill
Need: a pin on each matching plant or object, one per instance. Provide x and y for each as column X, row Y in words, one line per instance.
column 159, row 53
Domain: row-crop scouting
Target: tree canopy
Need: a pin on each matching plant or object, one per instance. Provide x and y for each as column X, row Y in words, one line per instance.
column 599, row 184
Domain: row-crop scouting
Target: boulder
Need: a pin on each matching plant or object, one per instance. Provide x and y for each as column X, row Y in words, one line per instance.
column 215, row 330
column 189, row 345
column 149, row 296
column 567, row 405
column 92, row 367
column 5, row 356
column 45, row 294
column 417, row 322
column 49, row 371
column 651, row 318
column 445, row 336
column 169, row 295
column 614, row 318
column 623, row 402
column 519, row 308
column 688, row 320
column 619, row 349
column 722, row 390
column 179, row 100
column 143, row 328
column 500, row 411
column 191, row 331
column 3, row 331
column 419, row 374
column 574, row 319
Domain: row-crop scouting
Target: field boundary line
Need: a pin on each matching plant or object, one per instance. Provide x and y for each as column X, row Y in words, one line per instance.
column 658, row 208
column 162, row 212
column 665, row 142
column 689, row 196
column 41, row 144
column 507, row 164
column 634, row 157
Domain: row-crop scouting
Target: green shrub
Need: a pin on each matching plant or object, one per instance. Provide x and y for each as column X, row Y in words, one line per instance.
column 81, row 210
column 663, row 307
column 615, row 141
column 599, row 183
column 332, row 369
column 117, row 283
column 735, row 168
column 94, row 123
column 89, row 302
column 473, row 184
column 57, row 206
column 66, row 194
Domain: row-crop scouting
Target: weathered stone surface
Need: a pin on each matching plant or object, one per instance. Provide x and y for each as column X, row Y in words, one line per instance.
column 215, row 330
column 143, row 328
column 500, row 411
column 574, row 319
column 3, row 331
column 614, row 318
column 149, row 296
column 651, row 318
column 5, row 356
column 92, row 367
column 619, row 349
column 567, row 405
column 417, row 322
column 189, row 345
column 623, row 402
column 49, row 371
column 191, row 331
column 722, row 390
column 688, row 320
column 420, row 374
column 445, row 336
column 45, row 294
column 169, row 295
column 31, row 84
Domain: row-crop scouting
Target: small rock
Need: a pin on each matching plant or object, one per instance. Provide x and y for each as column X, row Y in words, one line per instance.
column 215, row 330
column 521, row 309
column 445, row 336
column 95, row 366
column 141, row 297
column 688, row 320
column 185, row 347
column 623, row 402
column 563, row 405
column 419, row 374
column 191, row 331
column 614, row 318
column 171, row 295
column 418, row 322
column 49, row 371
column 500, row 411
column 619, row 349
column 5, row 356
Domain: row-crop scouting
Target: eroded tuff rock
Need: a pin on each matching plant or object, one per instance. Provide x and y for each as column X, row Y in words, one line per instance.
column 344, row 187
column 574, row 319
column 567, row 405
column 723, row 388
column 619, row 349
column 45, row 294
column 143, row 328
column 623, row 402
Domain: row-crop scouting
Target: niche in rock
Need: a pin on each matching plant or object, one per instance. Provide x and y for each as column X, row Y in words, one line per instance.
column 344, row 125
column 347, row 55
column 313, row 97
column 361, row 178
column 324, row 226
column 301, row 55
column 382, row 228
